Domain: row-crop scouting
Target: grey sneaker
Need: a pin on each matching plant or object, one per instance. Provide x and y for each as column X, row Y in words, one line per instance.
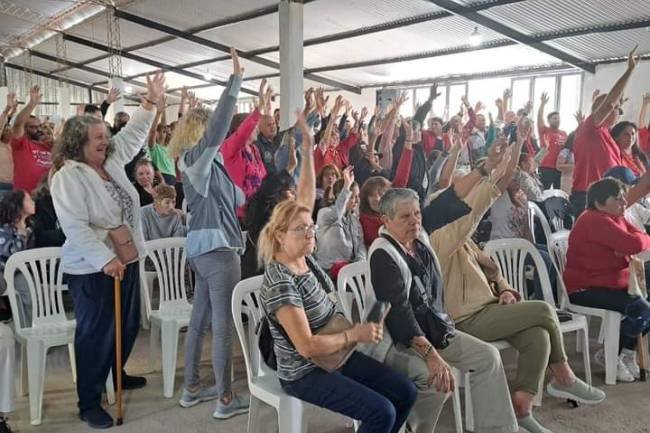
column 238, row 405
column 629, row 360
column 528, row 424
column 578, row 391
column 189, row 399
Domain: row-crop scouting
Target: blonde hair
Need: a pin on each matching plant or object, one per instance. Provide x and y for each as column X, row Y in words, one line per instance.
column 188, row 131
column 163, row 191
column 267, row 244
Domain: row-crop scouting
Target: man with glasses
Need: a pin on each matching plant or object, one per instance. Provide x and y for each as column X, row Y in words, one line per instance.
column 32, row 157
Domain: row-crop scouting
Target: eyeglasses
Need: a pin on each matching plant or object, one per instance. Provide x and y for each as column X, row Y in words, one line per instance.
column 306, row 231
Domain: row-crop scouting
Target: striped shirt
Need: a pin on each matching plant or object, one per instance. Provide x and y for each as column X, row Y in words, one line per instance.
column 282, row 287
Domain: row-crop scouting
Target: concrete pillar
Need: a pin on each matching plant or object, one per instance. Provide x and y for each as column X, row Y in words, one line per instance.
column 118, row 105
column 291, row 65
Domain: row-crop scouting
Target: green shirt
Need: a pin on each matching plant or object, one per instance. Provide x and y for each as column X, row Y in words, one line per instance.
column 161, row 160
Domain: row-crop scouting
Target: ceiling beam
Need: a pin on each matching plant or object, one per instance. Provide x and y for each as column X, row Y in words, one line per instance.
column 146, row 61
column 244, row 16
column 55, row 77
column 511, row 33
column 363, row 31
column 145, row 22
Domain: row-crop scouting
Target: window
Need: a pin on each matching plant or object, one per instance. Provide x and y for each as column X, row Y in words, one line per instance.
column 548, row 85
column 487, row 91
column 570, row 90
column 520, row 93
column 456, row 92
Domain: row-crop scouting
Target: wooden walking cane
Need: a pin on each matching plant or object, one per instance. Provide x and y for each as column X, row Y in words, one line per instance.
column 118, row 347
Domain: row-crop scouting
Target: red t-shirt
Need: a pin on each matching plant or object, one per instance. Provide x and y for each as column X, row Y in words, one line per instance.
column 595, row 152
column 370, row 225
column 554, row 139
column 600, row 246
column 32, row 161
column 644, row 140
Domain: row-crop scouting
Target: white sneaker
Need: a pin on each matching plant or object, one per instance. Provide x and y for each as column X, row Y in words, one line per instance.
column 622, row 373
column 629, row 359
column 599, row 357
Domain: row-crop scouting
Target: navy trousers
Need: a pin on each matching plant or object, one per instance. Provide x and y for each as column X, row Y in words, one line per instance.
column 94, row 340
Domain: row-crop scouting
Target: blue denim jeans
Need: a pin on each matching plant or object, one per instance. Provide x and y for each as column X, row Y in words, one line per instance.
column 364, row 389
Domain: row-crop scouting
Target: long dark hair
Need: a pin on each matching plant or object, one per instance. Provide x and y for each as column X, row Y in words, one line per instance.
column 260, row 207
column 370, row 186
column 11, row 207
column 618, row 129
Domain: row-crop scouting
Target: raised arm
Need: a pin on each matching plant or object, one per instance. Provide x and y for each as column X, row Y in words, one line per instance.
column 199, row 159
column 35, row 96
column 523, row 131
column 643, row 114
column 306, row 193
column 9, row 110
column 447, row 173
column 160, row 109
column 541, row 124
column 112, row 96
column 611, row 101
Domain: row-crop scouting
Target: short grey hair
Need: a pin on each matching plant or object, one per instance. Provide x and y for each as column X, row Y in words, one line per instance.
column 393, row 197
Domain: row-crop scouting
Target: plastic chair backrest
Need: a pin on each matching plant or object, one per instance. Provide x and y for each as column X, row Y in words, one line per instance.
column 510, row 255
column 559, row 213
column 554, row 193
column 535, row 212
column 169, row 260
column 558, row 245
column 43, row 273
column 246, row 300
column 355, row 276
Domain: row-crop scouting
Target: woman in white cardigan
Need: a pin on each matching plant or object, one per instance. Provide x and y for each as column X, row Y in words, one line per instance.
column 92, row 194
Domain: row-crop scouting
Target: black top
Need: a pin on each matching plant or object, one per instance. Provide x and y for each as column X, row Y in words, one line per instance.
column 444, row 209
column 47, row 231
column 145, row 197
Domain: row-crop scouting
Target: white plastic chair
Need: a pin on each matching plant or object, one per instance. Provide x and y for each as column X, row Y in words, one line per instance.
column 535, row 212
column 558, row 246
column 554, row 193
column 174, row 311
column 510, row 255
column 263, row 382
column 356, row 276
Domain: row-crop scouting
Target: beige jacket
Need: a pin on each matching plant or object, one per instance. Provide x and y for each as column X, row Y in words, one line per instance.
column 472, row 279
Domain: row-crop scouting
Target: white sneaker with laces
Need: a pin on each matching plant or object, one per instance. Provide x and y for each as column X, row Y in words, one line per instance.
column 629, row 359
column 622, row 373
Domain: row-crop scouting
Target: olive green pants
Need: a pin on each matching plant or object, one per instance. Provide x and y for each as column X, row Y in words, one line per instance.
column 531, row 327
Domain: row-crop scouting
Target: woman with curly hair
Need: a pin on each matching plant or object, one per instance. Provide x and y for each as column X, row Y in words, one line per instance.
column 93, row 195
column 15, row 235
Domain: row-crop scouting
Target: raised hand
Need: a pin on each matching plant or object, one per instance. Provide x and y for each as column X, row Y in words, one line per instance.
column 364, row 114
column 236, row 66
column 348, row 176
column 465, row 102
column 433, row 92
column 307, row 140
column 35, row 95
column 633, row 59
column 261, row 95
column 310, row 104
column 594, row 94
column 268, row 96
column 401, row 99
column 524, row 128
column 155, row 87
column 12, row 103
column 162, row 103
column 113, row 95
column 579, row 117
column 494, row 157
column 184, row 94
column 479, row 106
column 544, row 98
column 499, row 103
column 528, row 107
column 292, row 161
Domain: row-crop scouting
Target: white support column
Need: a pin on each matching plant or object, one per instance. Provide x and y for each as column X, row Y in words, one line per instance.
column 118, row 105
column 63, row 95
column 291, row 65
column 3, row 97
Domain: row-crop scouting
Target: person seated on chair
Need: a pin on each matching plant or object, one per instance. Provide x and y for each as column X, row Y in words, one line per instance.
column 7, row 375
column 294, row 295
column 339, row 232
column 597, row 269
column 637, row 213
column 527, row 177
column 161, row 219
column 421, row 341
column 484, row 305
column 15, row 235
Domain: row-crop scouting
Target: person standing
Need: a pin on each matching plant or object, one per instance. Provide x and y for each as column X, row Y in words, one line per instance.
column 553, row 139
column 92, row 195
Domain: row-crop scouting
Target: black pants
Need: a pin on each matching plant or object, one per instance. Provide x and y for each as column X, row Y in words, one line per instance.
column 94, row 339
column 608, row 299
column 578, row 202
column 550, row 177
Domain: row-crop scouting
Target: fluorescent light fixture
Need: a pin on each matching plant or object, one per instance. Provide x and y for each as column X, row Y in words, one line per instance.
column 128, row 89
column 475, row 38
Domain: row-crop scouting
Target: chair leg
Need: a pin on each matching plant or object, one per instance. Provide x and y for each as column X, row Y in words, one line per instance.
column 73, row 362
column 254, row 414
column 143, row 310
column 612, row 326
column 36, row 355
column 22, row 392
column 291, row 416
column 584, row 333
column 579, row 343
column 469, row 409
column 154, row 338
column 169, row 333
column 110, row 389
column 458, row 412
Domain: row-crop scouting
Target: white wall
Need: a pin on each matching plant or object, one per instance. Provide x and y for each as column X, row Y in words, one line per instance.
column 606, row 76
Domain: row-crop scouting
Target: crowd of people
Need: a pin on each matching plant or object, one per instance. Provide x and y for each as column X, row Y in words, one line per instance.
column 415, row 198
